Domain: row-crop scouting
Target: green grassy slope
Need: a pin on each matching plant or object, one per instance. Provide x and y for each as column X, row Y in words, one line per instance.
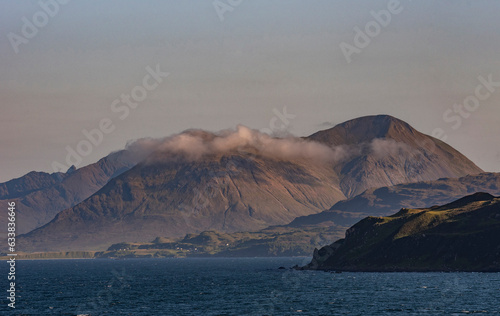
column 460, row 236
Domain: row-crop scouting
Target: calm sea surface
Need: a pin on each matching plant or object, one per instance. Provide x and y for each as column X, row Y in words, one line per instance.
column 240, row 286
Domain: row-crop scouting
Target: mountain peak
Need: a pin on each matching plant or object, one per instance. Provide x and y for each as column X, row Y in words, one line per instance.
column 377, row 123
column 71, row 169
column 365, row 129
column 383, row 149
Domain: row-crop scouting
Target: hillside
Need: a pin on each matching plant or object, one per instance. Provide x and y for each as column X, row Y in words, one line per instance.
column 39, row 196
column 269, row 242
column 180, row 197
column 461, row 236
column 388, row 200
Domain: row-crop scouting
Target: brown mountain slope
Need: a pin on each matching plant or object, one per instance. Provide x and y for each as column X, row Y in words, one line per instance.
column 171, row 199
column 383, row 151
column 388, row 200
column 384, row 201
column 40, row 196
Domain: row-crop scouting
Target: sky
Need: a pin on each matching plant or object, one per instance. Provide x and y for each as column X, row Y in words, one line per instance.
column 287, row 66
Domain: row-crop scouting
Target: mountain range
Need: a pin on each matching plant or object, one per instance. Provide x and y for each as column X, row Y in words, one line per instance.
column 242, row 180
column 39, row 196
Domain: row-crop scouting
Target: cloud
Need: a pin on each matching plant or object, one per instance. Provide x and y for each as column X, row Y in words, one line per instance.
column 382, row 147
column 196, row 144
column 193, row 145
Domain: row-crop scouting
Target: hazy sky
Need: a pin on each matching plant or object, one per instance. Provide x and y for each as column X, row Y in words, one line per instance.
column 242, row 69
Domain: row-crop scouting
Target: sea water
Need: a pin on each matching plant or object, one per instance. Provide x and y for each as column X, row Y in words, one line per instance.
column 239, row 286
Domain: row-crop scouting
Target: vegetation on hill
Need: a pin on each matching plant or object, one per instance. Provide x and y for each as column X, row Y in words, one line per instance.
column 271, row 242
column 460, row 236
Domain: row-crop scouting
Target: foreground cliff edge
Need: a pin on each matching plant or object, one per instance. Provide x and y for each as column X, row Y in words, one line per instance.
column 461, row 236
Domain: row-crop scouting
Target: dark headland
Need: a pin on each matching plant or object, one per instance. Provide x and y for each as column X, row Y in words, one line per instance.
column 461, row 236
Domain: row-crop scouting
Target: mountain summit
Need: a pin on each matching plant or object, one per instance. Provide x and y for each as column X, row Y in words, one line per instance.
column 384, row 151
column 366, row 129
